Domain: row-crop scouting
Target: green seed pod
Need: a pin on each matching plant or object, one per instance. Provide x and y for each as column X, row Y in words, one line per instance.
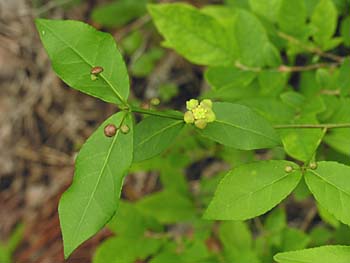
column 313, row 165
column 201, row 124
column 288, row 169
column 110, row 130
column 188, row 117
column 124, row 129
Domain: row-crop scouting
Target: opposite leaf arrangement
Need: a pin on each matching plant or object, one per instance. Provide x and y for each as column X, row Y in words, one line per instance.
column 89, row 61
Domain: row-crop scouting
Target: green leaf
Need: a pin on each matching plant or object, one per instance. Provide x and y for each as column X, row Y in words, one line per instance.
column 330, row 185
column 252, row 189
column 272, row 82
column 324, row 29
column 129, row 222
column 327, row 217
column 325, row 254
column 228, row 77
column 249, row 31
column 119, row 12
column 343, row 80
column 320, row 235
column 239, row 127
column 92, row 199
column 196, row 36
column 167, row 207
column 302, row 144
column 126, row 250
column 294, row 239
column 153, row 135
column 292, row 17
column 235, row 235
column 75, row 48
column 266, row 8
column 339, row 139
column 276, row 221
column 145, row 64
column 345, row 30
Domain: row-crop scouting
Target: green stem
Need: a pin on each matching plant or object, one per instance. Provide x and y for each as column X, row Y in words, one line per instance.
column 175, row 116
column 163, row 114
column 313, row 126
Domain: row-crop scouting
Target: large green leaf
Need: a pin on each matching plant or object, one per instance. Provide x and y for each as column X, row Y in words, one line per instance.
column 292, row 17
column 75, row 48
column 119, row 12
column 193, row 34
column 325, row 254
column 249, row 31
column 153, row 135
column 252, row 189
column 92, row 199
column 239, row 127
column 266, row 8
column 330, row 185
column 323, row 29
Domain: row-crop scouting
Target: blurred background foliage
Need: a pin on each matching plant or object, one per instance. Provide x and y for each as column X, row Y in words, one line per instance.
column 43, row 125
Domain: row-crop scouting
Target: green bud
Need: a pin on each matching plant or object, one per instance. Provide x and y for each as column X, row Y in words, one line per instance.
column 313, row 166
column 188, row 117
column 191, row 104
column 210, row 116
column 207, row 103
column 93, row 76
column 155, row 101
column 201, row 124
column 288, row 169
column 124, row 129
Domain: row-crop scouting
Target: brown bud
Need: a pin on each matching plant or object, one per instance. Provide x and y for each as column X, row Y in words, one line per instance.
column 110, row 130
column 96, row 70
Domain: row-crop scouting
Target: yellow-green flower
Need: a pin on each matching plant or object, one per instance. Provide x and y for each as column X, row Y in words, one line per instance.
column 199, row 113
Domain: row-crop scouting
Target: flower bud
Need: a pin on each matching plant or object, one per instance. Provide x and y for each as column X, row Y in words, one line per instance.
column 201, row 124
column 210, row 116
column 207, row 103
column 199, row 113
column 110, row 130
column 191, row 104
column 188, row 117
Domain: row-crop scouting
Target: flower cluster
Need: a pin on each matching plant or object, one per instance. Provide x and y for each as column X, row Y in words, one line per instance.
column 199, row 113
